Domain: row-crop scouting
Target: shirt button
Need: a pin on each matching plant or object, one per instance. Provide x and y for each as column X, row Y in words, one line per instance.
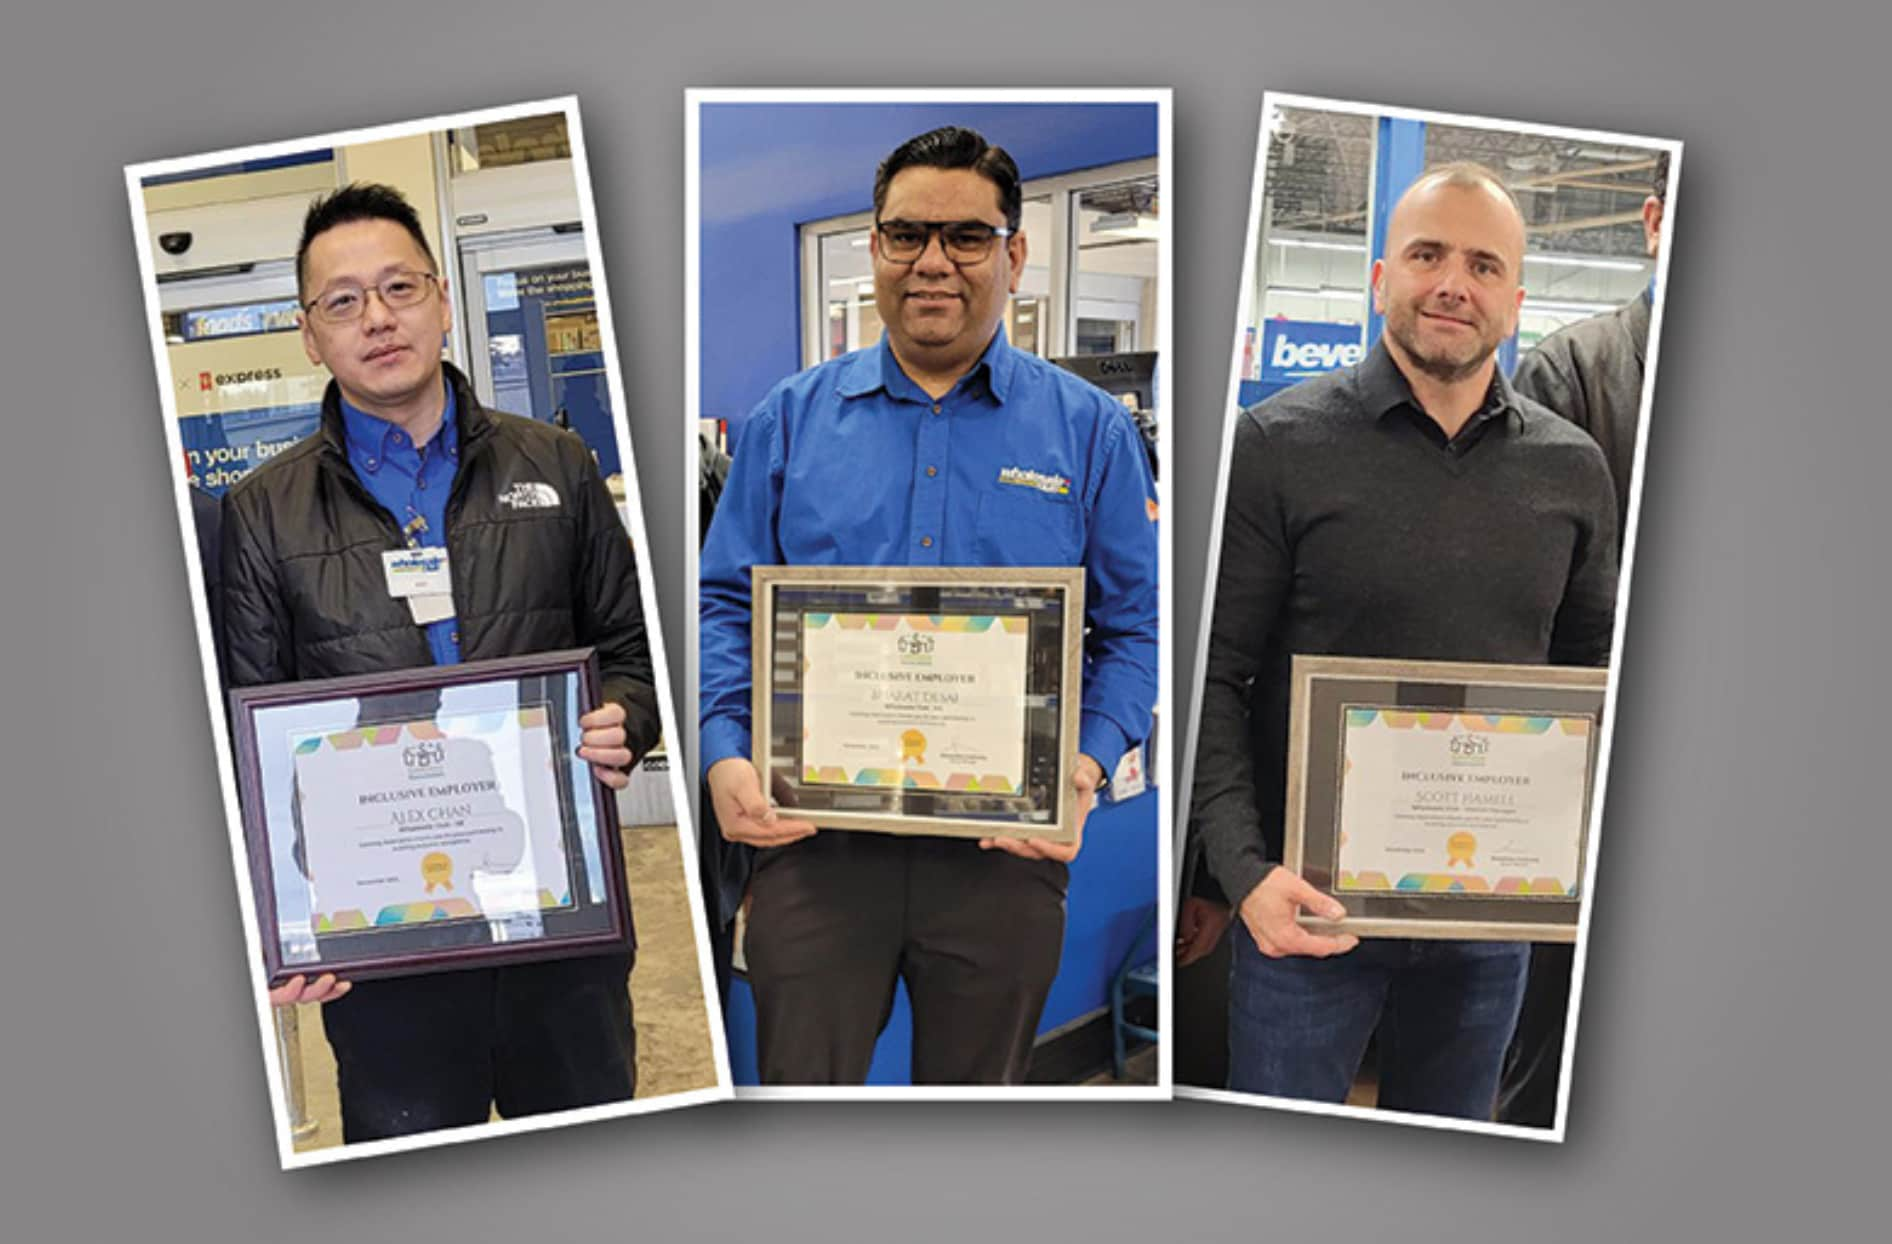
column 936, row 408
column 926, row 542
column 455, row 636
column 931, row 472
column 372, row 464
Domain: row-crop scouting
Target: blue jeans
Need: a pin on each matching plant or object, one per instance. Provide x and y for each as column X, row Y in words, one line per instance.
column 1445, row 1012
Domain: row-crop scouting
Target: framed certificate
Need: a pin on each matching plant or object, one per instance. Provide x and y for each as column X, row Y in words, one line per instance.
column 428, row 819
column 920, row 700
column 1445, row 800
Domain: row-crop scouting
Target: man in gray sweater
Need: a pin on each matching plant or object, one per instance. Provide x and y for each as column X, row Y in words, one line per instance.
column 1413, row 506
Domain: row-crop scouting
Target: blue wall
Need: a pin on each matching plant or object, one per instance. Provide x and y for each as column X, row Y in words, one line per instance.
column 768, row 168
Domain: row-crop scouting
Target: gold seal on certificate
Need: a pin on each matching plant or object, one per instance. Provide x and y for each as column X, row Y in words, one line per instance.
column 916, row 700
column 428, row 819
column 1439, row 799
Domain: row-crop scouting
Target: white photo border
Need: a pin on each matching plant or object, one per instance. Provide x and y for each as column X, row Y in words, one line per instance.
column 1162, row 97
column 1272, row 102
column 135, row 177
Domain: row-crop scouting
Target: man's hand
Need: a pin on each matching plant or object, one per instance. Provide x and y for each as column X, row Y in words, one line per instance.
column 1199, row 928
column 1086, row 777
column 744, row 813
column 1269, row 912
column 602, row 743
column 325, row 989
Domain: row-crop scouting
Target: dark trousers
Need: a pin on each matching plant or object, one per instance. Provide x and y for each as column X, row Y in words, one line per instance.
column 424, row 1052
column 835, row 920
column 1445, row 1012
column 1528, row 1096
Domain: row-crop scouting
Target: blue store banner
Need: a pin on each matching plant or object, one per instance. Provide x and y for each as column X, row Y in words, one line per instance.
column 1295, row 350
column 221, row 449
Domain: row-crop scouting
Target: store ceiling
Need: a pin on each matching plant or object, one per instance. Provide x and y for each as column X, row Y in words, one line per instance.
column 1579, row 197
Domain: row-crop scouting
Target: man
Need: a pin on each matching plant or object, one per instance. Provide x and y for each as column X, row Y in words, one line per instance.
column 406, row 456
column 897, row 455
column 1411, row 506
column 1591, row 374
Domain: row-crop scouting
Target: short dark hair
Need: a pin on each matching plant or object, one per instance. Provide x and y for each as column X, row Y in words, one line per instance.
column 952, row 146
column 360, row 200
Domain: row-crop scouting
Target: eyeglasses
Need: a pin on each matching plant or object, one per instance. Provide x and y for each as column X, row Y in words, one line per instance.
column 964, row 241
column 347, row 302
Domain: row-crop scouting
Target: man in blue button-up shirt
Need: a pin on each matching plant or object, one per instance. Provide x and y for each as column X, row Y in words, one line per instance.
column 940, row 446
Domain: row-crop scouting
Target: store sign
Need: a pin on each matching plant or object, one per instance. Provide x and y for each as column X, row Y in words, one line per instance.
column 1296, row 349
column 563, row 281
column 221, row 448
column 239, row 321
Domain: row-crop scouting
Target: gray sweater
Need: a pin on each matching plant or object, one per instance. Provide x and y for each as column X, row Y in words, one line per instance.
column 1354, row 528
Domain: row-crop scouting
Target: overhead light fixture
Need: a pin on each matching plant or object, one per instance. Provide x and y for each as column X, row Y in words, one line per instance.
column 1125, row 225
column 1352, row 248
column 1568, row 306
column 1571, row 261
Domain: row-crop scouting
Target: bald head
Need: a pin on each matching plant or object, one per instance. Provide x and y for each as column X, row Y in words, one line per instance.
column 1449, row 284
column 1471, row 179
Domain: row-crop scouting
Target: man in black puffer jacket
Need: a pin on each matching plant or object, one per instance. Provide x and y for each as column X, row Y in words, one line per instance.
column 406, row 457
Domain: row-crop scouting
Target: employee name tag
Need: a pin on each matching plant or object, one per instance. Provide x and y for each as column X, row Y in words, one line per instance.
column 430, row 608
column 417, row 572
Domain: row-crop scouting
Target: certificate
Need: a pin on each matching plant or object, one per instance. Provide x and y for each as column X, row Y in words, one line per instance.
column 915, row 700
column 451, row 817
column 428, row 819
column 892, row 700
column 1443, row 799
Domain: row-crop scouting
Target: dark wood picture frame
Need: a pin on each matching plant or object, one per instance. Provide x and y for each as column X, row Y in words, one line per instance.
column 605, row 927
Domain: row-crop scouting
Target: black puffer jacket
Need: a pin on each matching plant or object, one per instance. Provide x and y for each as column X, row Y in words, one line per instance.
column 540, row 562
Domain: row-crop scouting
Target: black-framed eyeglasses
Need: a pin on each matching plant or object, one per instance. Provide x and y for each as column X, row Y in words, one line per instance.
column 964, row 241
column 343, row 303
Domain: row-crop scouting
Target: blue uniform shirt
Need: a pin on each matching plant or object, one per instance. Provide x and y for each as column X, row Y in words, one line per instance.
column 850, row 463
column 412, row 485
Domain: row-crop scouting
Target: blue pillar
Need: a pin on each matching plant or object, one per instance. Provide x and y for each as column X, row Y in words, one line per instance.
column 1399, row 156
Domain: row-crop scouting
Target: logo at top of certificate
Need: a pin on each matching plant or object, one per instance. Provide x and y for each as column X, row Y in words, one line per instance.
column 425, row 758
column 1043, row 481
column 915, row 647
column 1469, row 749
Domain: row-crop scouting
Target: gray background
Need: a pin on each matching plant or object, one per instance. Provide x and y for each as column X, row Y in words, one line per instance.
column 1730, row 1064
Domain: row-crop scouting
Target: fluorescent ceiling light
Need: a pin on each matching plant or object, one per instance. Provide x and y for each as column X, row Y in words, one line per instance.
column 1607, row 265
column 1558, row 304
column 1353, row 248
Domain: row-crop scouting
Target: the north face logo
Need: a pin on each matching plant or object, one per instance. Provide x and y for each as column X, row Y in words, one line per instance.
column 530, row 496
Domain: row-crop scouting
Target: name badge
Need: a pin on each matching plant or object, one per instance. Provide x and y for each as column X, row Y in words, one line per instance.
column 417, row 572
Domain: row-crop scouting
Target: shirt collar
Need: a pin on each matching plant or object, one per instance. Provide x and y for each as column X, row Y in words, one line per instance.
column 1384, row 389
column 870, row 371
column 368, row 435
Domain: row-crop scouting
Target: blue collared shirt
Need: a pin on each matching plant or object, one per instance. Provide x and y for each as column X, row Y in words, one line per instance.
column 412, row 485
column 850, row 463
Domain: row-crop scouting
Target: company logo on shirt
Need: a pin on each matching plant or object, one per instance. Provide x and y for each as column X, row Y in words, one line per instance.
column 530, row 496
column 1054, row 485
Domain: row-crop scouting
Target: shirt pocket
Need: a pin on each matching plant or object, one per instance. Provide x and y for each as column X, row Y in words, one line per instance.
column 1024, row 527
